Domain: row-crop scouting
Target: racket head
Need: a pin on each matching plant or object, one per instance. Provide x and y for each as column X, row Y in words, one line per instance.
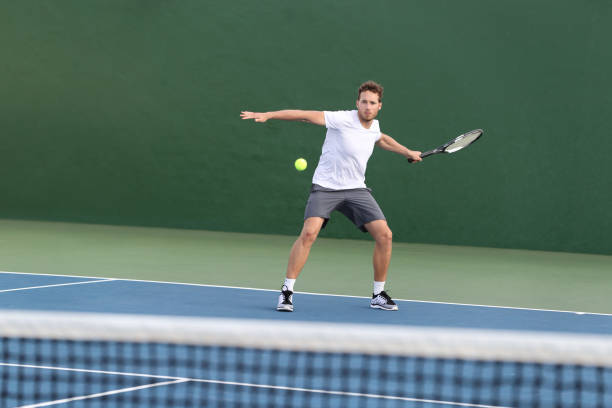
column 462, row 141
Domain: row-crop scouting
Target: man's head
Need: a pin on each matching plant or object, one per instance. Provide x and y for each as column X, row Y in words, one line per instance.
column 369, row 100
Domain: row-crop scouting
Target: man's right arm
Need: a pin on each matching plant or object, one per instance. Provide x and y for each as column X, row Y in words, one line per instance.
column 315, row 117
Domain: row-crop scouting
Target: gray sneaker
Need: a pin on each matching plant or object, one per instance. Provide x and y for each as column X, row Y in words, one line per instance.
column 382, row 301
column 285, row 300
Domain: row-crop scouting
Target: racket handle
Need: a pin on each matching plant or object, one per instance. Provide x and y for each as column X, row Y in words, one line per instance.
column 423, row 155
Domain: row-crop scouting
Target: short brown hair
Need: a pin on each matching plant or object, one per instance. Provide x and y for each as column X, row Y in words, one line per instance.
column 372, row 87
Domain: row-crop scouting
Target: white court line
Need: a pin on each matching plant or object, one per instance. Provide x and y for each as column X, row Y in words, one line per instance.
column 265, row 386
column 58, row 284
column 102, row 394
column 316, row 294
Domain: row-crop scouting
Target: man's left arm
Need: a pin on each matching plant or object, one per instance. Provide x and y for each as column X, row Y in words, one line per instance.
column 388, row 143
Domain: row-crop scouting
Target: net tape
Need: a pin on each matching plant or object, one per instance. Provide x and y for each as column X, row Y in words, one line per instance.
column 535, row 347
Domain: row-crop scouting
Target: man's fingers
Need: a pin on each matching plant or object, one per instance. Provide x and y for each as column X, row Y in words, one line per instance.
column 415, row 159
column 251, row 115
column 258, row 117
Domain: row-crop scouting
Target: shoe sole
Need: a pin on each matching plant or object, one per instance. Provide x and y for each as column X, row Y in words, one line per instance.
column 284, row 309
column 383, row 308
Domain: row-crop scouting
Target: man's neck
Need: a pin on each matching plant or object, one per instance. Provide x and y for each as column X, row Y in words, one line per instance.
column 365, row 123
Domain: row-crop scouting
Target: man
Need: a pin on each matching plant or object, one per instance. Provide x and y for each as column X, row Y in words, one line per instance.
column 339, row 184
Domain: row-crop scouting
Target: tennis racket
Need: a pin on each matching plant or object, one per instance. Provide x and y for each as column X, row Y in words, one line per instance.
column 456, row 144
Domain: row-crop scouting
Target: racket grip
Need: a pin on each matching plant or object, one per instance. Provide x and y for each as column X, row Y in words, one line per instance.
column 423, row 155
column 412, row 161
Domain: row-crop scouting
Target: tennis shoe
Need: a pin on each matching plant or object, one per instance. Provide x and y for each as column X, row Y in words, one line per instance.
column 382, row 301
column 285, row 300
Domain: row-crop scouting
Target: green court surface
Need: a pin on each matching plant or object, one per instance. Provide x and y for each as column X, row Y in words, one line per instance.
column 503, row 277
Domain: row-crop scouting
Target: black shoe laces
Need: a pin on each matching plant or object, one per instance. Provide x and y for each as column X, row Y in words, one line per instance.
column 387, row 297
column 286, row 294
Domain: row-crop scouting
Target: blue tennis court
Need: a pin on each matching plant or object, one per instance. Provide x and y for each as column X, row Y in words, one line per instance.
column 236, row 376
column 102, row 295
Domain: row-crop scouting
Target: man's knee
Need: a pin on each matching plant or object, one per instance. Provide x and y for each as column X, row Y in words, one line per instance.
column 311, row 229
column 384, row 237
column 309, row 235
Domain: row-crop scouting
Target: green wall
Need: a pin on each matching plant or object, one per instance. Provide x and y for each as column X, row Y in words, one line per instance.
column 127, row 112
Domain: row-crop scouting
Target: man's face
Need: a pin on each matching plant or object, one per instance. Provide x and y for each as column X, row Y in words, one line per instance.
column 368, row 105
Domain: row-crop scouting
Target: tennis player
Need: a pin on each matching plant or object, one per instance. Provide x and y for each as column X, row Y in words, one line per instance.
column 339, row 184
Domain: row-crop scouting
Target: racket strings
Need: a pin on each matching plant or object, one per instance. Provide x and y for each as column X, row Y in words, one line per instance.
column 463, row 141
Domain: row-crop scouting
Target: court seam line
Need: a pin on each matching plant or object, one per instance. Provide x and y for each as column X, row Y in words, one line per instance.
column 57, row 284
column 103, row 394
column 312, row 293
column 266, row 386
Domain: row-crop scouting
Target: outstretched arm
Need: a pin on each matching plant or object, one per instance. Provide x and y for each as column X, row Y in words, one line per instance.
column 316, row 117
column 388, row 143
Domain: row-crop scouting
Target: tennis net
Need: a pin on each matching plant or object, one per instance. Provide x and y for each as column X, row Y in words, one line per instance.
column 101, row 360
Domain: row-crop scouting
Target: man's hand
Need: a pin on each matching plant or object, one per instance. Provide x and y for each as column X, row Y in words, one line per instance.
column 414, row 156
column 259, row 117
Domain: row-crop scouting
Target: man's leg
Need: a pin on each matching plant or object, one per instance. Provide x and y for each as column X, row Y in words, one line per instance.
column 382, row 249
column 297, row 260
column 382, row 256
column 301, row 247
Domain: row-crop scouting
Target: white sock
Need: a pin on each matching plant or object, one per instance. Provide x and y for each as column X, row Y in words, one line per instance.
column 378, row 287
column 289, row 283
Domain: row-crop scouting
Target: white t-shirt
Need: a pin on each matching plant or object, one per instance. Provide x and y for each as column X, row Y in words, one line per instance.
column 346, row 151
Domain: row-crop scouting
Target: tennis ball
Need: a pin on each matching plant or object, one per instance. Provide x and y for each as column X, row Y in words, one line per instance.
column 300, row 164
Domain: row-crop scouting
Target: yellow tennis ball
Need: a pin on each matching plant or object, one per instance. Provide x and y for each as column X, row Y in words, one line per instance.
column 300, row 164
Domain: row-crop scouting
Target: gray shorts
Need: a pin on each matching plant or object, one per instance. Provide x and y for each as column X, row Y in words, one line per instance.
column 357, row 205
